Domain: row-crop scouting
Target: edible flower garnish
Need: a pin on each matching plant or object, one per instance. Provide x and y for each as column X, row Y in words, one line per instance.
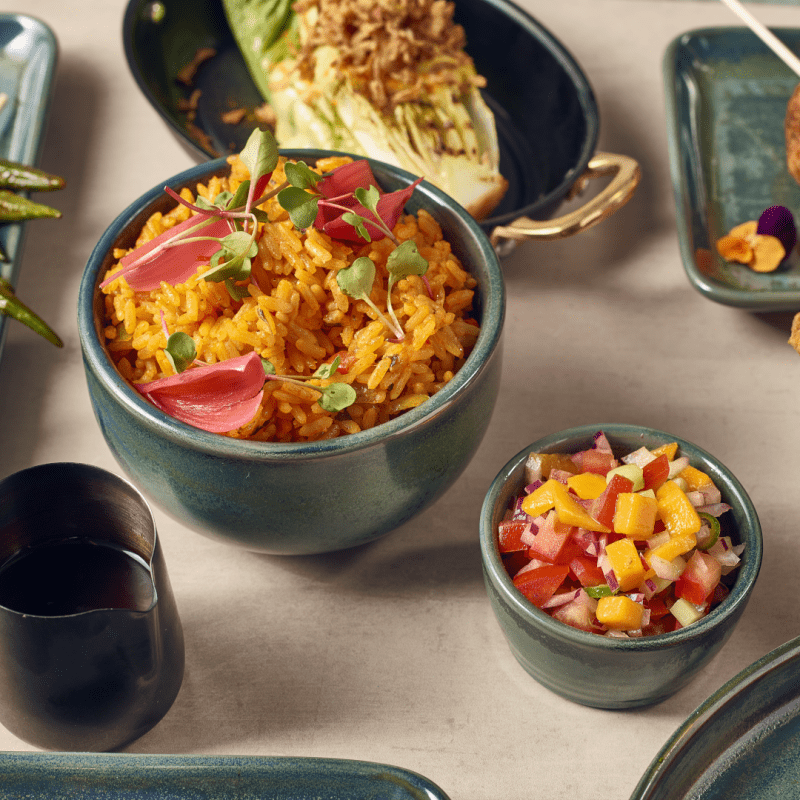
column 762, row 245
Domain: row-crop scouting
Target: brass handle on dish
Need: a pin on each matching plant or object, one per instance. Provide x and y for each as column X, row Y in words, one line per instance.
column 626, row 175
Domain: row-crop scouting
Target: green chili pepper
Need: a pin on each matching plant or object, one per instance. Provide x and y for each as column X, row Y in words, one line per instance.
column 603, row 590
column 713, row 524
column 15, row 208
column 11, row 306
column 18, row 176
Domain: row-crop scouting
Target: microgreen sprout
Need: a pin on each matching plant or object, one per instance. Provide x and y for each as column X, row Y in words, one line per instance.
column 356, row 281
column 180, row 350
column 335, row 396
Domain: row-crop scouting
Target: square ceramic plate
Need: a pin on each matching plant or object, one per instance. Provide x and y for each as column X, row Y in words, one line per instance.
column 28, row 53
column 726, row 96
column 114, row 776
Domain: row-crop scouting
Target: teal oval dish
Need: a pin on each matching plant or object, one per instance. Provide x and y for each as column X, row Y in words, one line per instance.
column 726, row 94
column 601, row 671
column 307, row 497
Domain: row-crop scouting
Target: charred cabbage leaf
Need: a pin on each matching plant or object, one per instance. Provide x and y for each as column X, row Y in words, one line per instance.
column 442, row 130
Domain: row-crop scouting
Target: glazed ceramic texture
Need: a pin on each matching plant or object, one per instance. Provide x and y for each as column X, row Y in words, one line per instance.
column 190, row 777
column 597, row 670
column 94, row 679
column 301, row 498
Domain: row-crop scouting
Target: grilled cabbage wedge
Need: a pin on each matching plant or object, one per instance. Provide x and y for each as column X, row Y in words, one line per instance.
column 386, row 79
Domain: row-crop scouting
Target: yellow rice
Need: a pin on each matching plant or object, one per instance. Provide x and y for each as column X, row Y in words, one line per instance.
column 297, row 317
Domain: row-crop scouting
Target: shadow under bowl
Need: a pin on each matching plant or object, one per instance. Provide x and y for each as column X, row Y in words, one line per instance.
column 306, row 497
column 601, row 671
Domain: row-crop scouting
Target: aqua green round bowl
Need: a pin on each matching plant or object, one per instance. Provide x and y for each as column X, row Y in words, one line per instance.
column 601, row 671
column 301, row 498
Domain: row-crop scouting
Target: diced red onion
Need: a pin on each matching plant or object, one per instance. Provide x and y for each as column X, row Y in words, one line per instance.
column 531, row 487
column 601, row 442
column 667, row 570
column 677, row 466
column 696, row 498
column 641, row 457
column 528, row 536
column 561, row 599
column 711, row 493
column 715, row 509
column 560, row 475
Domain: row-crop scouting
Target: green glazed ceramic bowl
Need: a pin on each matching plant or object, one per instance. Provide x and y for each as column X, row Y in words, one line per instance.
column 597, row 670
column 300, row 498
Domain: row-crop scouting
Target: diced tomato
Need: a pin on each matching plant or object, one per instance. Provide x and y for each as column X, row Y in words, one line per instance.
column 665, row 624
column 540, row 584
column 514, row 562
column 585, row 570
column 656, row 472
column 597, row 461
column 604, row 506
column 570, row 550
column 550, row 539
column 509, row 533
column 657, row 607
column 721, row 591
column 699, row 579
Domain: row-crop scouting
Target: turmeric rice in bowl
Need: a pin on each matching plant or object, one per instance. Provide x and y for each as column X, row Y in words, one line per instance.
column 298, row 476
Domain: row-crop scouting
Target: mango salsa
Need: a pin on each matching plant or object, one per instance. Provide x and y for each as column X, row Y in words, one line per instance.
column 614, row 545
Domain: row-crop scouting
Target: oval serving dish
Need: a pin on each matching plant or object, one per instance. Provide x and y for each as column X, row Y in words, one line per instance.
column 544, row 106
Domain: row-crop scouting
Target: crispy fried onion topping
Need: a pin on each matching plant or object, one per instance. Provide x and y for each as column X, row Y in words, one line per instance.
column 393, row 51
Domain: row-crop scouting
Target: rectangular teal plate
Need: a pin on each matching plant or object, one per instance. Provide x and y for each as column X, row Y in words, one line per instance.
column 118, row 776
column 28, row 54
column 726, row 96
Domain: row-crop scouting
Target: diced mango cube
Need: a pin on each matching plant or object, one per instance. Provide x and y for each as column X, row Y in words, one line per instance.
column 619, row 612
column 676, row 511
column 635, row 515
column 695, row 479
column 669, row 450
column 626, row 563
column 587, row 485
column 676, row 546
column 571, row 512
column 554, row 494
column 539, row 501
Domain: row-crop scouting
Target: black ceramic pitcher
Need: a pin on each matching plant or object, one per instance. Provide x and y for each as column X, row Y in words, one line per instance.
column 91, row 645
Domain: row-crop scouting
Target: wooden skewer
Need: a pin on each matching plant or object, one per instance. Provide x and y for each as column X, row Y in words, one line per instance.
column 766, row 36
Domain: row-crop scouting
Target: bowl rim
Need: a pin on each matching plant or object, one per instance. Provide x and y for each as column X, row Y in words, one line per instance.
column 732, row 491
column 492, row 295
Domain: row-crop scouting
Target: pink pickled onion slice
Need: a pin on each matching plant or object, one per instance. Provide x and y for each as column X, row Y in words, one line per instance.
column 390, row 207
column 217, row 398
column 346, row 179
column 173, row 264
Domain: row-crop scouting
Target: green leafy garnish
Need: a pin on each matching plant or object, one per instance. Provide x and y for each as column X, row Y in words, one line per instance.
column 180, row 351
column 335, row 397
column 356, row 281
column 300, row 205
column 299, row 174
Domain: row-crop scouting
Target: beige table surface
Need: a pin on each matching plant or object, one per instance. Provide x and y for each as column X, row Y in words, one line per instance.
column 390, row 653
